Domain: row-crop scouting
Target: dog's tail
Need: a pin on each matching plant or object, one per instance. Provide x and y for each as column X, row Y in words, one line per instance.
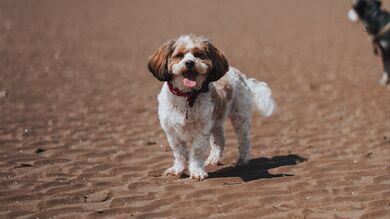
column 261, row 96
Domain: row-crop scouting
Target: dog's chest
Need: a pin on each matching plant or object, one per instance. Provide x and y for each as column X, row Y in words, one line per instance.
column 192, row 120
column 175, row 113
column 193, row 117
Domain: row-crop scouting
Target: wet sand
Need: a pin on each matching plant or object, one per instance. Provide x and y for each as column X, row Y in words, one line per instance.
column 79, row 132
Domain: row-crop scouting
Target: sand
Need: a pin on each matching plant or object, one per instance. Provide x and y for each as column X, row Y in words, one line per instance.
column 79, row 132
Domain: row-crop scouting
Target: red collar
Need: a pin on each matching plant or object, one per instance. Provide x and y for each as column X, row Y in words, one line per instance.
column 192, row 95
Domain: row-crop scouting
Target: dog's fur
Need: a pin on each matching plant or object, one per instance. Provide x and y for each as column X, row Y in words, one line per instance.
column 374, row 19
column 228, row 94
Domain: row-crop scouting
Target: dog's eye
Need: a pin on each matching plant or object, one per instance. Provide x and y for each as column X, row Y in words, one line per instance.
column 179, row 55
column 200, row 55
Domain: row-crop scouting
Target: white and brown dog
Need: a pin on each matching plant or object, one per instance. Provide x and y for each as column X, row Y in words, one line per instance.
column 199, row 92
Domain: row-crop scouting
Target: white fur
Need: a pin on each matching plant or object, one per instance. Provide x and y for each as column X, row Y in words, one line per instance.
column 384, row 44
column 385, row 79
column 202, row 127
column 353, row 16
column 187, row 41
column 261, row 96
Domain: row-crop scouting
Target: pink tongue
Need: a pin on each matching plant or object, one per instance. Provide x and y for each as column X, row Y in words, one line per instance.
column 189, row 83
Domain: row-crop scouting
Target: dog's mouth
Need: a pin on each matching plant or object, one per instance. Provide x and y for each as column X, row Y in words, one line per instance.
column 190, row 79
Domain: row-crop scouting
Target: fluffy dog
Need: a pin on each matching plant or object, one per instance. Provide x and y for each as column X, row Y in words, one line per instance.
column 377, row 25
column 200, row 91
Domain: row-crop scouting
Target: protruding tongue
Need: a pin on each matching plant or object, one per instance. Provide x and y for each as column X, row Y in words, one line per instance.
column 189, row 83
column 189, row 79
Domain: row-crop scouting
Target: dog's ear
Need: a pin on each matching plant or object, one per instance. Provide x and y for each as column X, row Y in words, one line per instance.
column 220, row 63
column 158, row 62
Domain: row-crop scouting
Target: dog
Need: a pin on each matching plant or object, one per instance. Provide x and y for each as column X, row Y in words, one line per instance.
column 377, row 25
column 200, row 91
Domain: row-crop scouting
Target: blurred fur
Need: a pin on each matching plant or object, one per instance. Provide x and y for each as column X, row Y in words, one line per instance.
column 377, row 25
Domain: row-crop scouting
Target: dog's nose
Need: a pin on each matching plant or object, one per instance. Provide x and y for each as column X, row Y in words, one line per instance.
column 189, row 63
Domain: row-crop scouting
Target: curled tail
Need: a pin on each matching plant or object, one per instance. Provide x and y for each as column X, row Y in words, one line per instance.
column 261, row 96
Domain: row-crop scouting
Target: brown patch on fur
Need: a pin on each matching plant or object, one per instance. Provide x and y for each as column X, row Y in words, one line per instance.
column 199, row 153
column 177, row 55
column 199, row 52
column 221, row 96
column 158, row 62
column 179, row 51
column 220, row 63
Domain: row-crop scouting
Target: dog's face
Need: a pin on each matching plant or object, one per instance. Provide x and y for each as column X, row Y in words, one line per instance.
column 361, row 9
column 188, row 62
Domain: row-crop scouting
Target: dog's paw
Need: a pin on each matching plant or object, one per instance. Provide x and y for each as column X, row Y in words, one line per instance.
column 212, row 160
column 174, row 171
column 385, row 79
column 198, row 174
column 242, row 162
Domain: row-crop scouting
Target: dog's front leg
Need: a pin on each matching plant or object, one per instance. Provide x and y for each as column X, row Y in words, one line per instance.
column 180, row 154
column 198, row 156
column 386, row 66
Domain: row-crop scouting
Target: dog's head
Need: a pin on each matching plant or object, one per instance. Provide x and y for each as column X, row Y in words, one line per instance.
column 362, row 9
column 188, row 62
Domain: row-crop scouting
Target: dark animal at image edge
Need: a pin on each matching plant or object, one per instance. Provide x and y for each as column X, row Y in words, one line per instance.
column 377, row 25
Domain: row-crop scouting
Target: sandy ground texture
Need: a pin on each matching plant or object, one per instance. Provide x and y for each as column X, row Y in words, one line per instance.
column 79, row 132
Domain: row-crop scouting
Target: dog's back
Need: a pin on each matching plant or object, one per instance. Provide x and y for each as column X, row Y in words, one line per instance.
column 235, row 90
